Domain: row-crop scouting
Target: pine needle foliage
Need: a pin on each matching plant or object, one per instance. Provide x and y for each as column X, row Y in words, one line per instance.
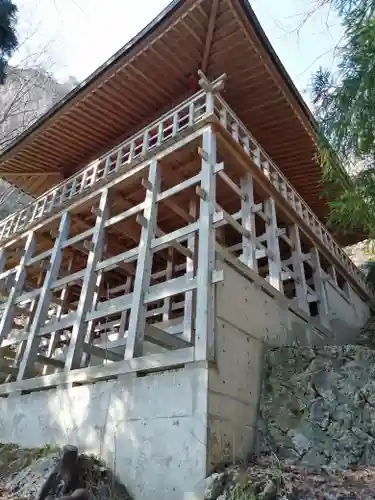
column 345, row 110
column 8, row 34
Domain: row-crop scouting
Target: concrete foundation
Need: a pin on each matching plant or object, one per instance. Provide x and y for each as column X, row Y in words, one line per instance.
column 163, row 432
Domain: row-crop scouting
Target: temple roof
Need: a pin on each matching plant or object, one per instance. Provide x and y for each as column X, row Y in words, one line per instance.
column 152, row 73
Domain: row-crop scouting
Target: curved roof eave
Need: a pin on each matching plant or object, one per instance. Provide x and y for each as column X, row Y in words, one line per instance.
column 85, row 84
column 143, row 34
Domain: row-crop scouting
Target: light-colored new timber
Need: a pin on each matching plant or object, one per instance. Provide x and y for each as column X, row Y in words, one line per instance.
column 132, row 270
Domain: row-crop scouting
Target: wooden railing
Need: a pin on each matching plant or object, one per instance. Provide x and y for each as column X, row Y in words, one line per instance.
column 102, row 332
column 155, row 135
column 166, row 128
column 240, row 134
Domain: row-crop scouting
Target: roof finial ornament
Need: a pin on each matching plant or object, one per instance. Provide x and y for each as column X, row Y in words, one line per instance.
column 208, row 86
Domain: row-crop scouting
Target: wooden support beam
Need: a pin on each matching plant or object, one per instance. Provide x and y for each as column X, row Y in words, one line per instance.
column 125, row 314
column 209, row 35
column 191, row 262
column 89, row 337
column 55, row 336
column 19, row 280
column 298, row 269
column 333, row 274
column 75, row 348
column 142, row 280
column 249, row 247
column 204, row 319
column 320, row 288
column 273, row 248
column 163, row 339
column 100, row 352
column 167, row 306
column 26, row 367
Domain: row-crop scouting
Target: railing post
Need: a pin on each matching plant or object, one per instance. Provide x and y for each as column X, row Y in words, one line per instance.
column 75, row 348
column 41, row 311
column 204, row 320
column 137, row 320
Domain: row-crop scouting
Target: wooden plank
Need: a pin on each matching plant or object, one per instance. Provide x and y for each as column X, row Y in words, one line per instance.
column 55, row 336
column 152, row 362
column 135, row 172
column 249, row 247
column 22, row 345
column 273, row 248
column 26, row 367
column 298, row 269
column 101, row 352
column 167, row 303
column 189, row 306
column 204, row 320
column 320, row 288
column 142, row 279
column 75, row 348
column 333, row 274
column 163, row 339
column 16, row 289
column 125, row 314
column 89, row 337
column 48, row 361
column 67, row 321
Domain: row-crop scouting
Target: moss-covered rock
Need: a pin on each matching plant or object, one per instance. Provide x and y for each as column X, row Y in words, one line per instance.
column 319, row 403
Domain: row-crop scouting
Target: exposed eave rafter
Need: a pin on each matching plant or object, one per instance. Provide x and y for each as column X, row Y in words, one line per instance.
column 210, row 35
column 151, row 74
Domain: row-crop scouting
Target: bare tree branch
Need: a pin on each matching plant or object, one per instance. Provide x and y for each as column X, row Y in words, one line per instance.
column 30, row 90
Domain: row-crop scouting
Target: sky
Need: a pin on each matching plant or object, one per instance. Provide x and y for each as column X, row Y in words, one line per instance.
column 80, row 34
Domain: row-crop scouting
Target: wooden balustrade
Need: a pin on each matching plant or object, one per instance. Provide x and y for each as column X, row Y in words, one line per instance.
column 159, row 316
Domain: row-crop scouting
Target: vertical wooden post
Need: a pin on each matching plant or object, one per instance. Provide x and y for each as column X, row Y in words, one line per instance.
column 348, row 291
column 90, row 324
column 125, row 314
column 273, row 248
column 2, row 265
column 41, row 311
column 320, row 288
column 134, row 343
column 75, row 348
column 189, row 305
column 19, row 279
column 204, row 320
column 248, row 222
column 167, row 306
column 22, row 346
column 55, row 336
column 299, row 270
column 2, row 259
column 332, row 272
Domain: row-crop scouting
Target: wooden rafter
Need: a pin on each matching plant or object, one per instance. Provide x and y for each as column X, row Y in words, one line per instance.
column 210, row 34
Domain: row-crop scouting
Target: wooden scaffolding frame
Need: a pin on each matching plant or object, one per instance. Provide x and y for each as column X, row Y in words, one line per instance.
column 104, row 331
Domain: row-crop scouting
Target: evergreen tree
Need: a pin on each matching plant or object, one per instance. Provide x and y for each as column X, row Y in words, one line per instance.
column 8, row 36
column 345, row 111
